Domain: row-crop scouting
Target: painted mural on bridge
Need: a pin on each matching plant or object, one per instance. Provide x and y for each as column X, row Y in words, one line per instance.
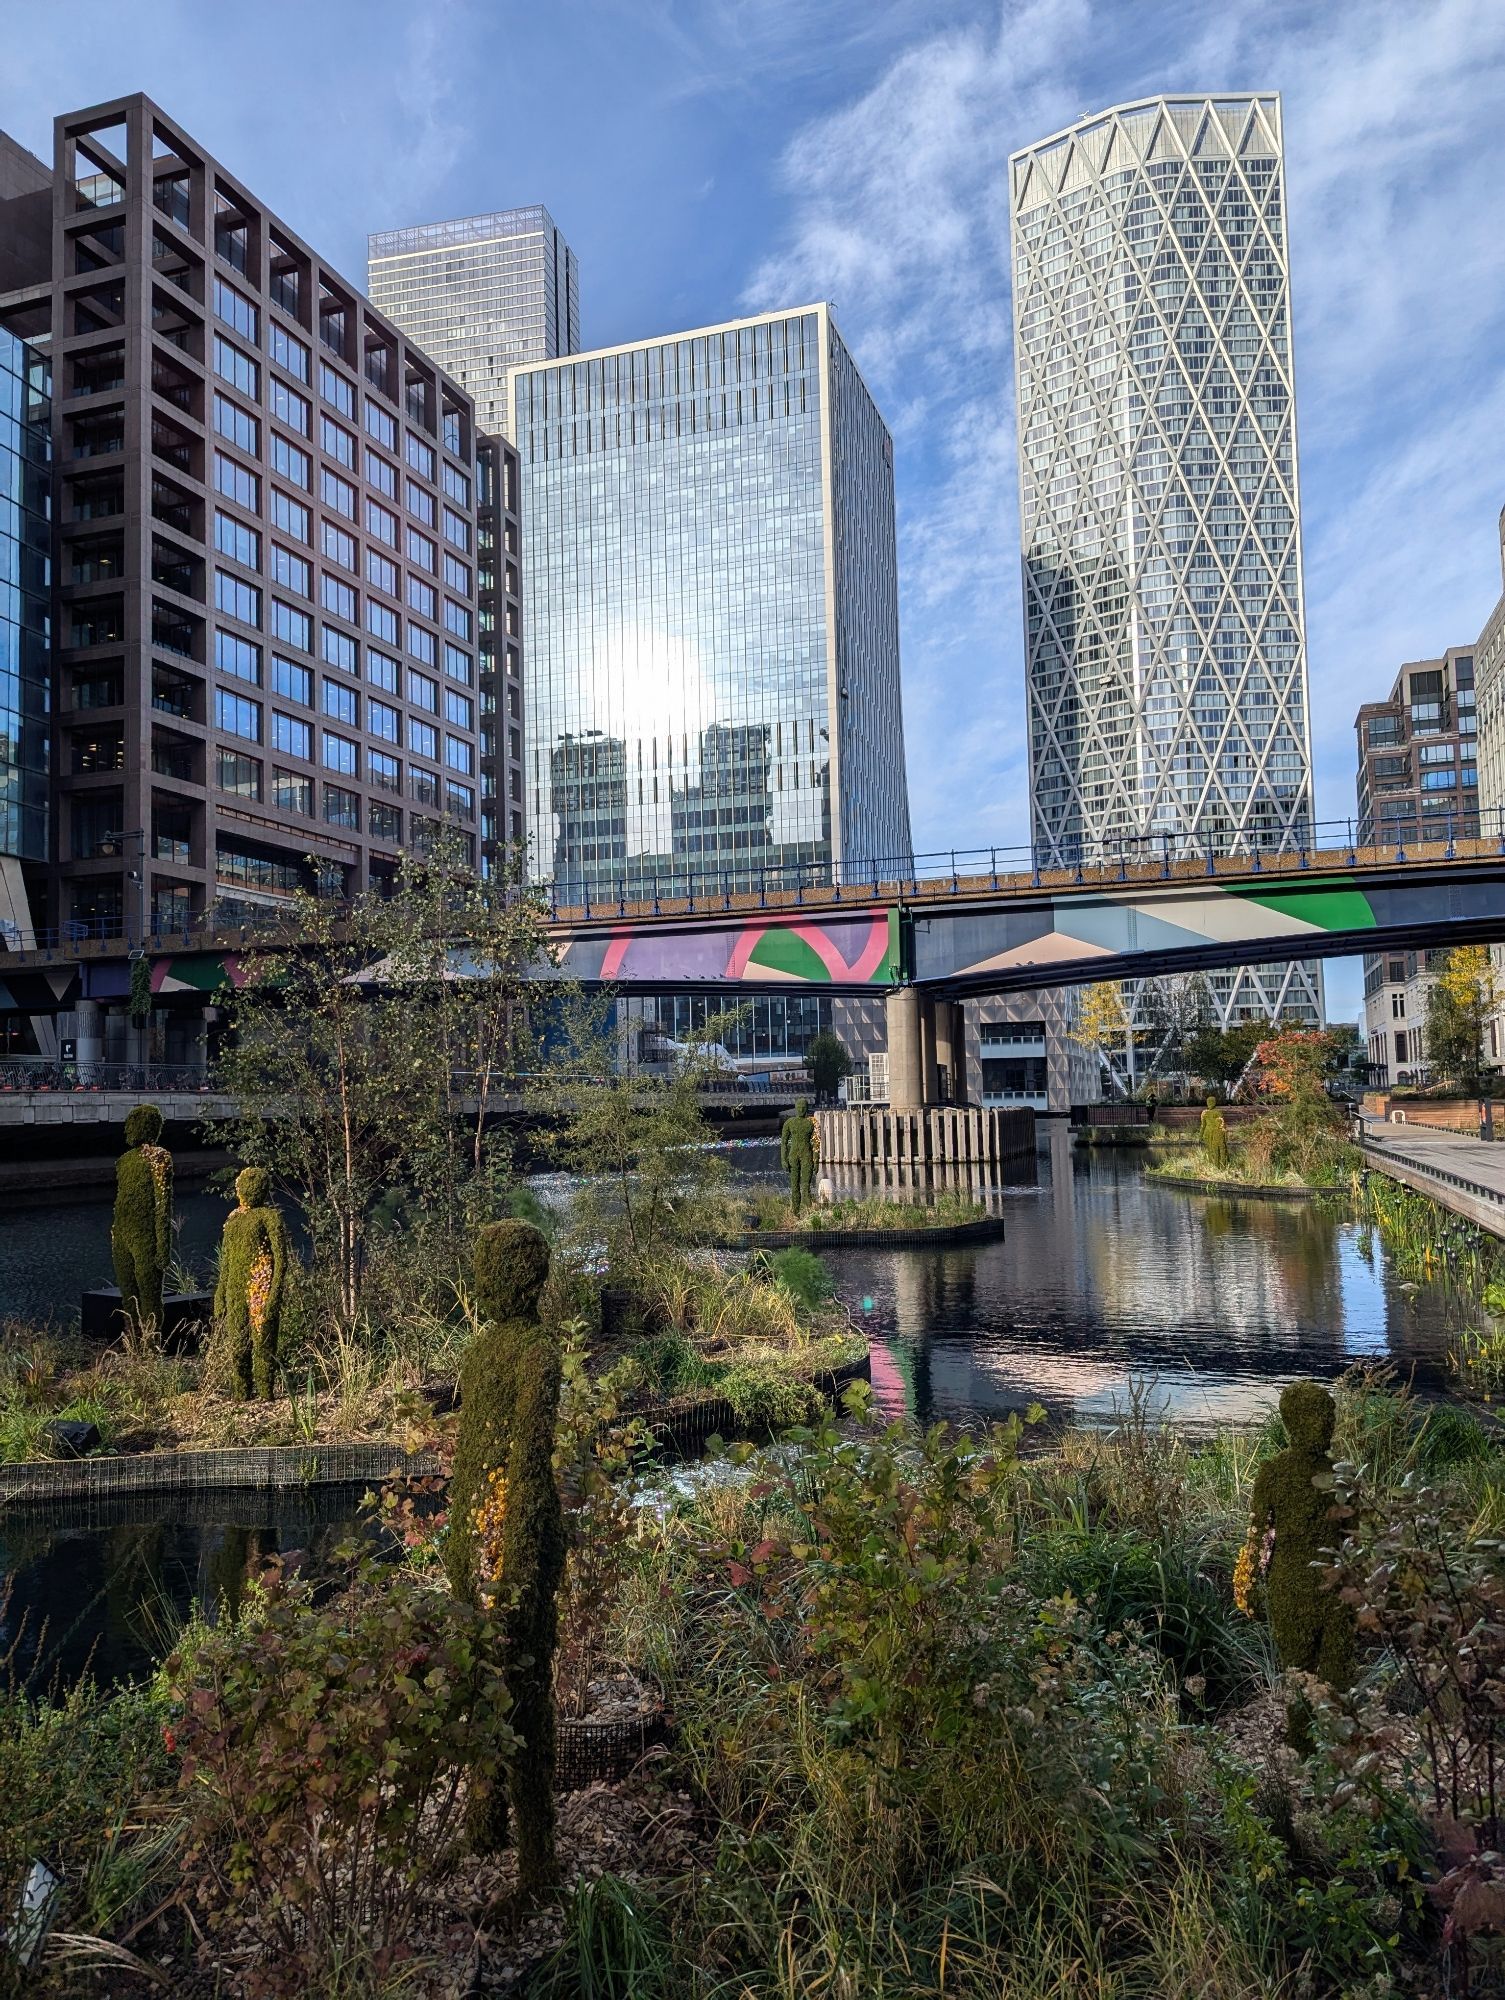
column 857, row 950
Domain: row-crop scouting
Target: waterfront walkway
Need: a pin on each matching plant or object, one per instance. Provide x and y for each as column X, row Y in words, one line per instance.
column 1465, row 1174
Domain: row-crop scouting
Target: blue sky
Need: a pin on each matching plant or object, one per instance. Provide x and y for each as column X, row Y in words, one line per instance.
column 718, row 156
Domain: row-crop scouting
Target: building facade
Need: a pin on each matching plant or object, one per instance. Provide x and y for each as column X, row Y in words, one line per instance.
column 265, row 658
column 482, row 295
column 25, row 633
column 1160, row 512
column 499, row 578
column 1418, row 771
column 1489, row 680
column 710, row 582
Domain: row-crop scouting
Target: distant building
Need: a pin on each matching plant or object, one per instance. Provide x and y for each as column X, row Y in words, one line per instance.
column 1489, row 681
column 481, row 294
column 710, row 586
column 499, row 650
column 25, row 633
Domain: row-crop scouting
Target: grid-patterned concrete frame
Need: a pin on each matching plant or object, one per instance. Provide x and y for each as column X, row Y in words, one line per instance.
column 266, row 509
column 1159, row 504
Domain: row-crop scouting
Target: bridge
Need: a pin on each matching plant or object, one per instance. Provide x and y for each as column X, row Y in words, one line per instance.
column 954, row 925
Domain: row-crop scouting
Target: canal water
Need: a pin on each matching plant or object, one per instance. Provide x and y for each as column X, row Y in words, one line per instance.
column 1102, row 1279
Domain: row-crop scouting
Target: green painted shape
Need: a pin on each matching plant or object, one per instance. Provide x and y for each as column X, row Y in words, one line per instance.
column 1333, row 905
column 782, row 951
column 204, row 974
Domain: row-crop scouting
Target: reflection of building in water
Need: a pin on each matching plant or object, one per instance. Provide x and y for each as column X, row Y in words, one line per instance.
column 710, row 576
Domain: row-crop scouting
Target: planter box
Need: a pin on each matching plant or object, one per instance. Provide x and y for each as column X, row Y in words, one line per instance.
column 184, row 1316
column 988, row 1230
column 590, row 1751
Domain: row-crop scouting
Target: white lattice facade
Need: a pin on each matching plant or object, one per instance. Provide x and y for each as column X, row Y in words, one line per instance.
column 1160, row 515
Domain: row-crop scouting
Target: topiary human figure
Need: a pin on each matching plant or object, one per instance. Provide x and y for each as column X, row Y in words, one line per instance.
column 252, row 1270
column 1212, row 1130
column 505, row 1543
column 797, row 1153
column 141, row 1232
column 1288, row 1531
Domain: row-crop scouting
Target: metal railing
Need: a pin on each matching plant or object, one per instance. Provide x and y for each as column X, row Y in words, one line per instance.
column 1374, row 1149
column 43, row 1073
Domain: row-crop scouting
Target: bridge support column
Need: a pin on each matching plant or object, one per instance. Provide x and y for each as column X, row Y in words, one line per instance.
column 950, row 1051
column 91, row 1032
column 906, row 1049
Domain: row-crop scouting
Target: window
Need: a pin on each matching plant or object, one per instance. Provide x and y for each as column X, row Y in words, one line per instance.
column 419, row 455
column 1437, row 781
column 337, row 442
column 335, row 389
column 234, row 539
column 287, row 351
column 234, row 655
column 1468, row 775
column 293, row 682
column 383, row 720
column 381, row 475
column 1383, row 729
column 459, row 799
column 456, row 485
column 237, row 598
column 340, row 547
column 422, row 551
column 342, row 703
column 236, row 483
column 383, row 671
column 385, row 770
column 381, row 522
column 382, row 622
column 236, row 424
column 238, row 774
column 456, row 574
column 459, row 755
column 338, row 493
column 423, row 786
column 290, row 793
column 381, row 573
column 290, row 515
column 337, row 597
column 293, row 626
column 292, row 737
column 422, row 692
column 457, row 665
column 423, row 738
column 457, row 529
column 238, row 369
column 380, row 426
column 338, row 649
column 459, row 710
column 422, row 597
column 421, row 644
column 1436, row 753
column 342, row 808
column 290, row 462
column 385, row 822
column 457, row 618
column 420, row 502
column 289, row 407
column 235, row 309
column 234, row 715
column 294, row 571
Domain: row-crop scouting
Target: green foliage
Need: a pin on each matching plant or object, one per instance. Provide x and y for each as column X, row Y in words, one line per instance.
column 141, row 1228
column 616, row 1947
column 1293, row 1497
column 505, row 1551
column 802, row 1274
column 1212, row 1131
column 829, row 1064
column 1220, row 1056
column 138, row 1006
column 323, row 1742
column 797, row 1153
column 248, row 1299
column 1459, row 999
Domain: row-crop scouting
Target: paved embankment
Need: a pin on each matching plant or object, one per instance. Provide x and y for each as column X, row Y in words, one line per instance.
column 1464, row 1174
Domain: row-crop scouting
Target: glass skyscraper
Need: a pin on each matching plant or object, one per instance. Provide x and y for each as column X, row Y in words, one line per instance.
column 711, row 594
column 1160, row 514
column 25, row 622
column 480, row 295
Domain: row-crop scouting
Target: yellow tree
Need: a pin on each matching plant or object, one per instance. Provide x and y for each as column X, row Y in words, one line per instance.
column 1458, row 1005
column 1103, row 1025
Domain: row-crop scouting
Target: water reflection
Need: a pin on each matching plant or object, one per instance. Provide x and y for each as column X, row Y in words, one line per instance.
column 52, row 1252
column 1104, row 1276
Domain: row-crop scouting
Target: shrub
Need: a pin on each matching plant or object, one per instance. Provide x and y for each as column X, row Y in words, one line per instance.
column 323, row 1747
column 141, row 1228
column 802, row 1274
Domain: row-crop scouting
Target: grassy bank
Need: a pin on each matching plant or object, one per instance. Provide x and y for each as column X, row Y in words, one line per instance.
column 946, row 1210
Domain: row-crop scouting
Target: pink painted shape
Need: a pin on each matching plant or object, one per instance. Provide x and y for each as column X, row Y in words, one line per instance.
column 826, row 950
column 747, row 943
column 616, row 951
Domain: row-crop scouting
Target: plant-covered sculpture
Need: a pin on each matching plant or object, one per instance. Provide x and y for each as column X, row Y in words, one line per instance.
column 797, row 1153
column 252, row 1272
column 1212, row 1130
column 141, row 1232
column 1288, row 1531
column 505, row 1544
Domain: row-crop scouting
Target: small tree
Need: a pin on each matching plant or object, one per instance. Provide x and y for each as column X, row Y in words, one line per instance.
column 1301, row 1127
column 1102, row 1025
column 1220, row 1056
column 1458, row 1005
column 829, row 1064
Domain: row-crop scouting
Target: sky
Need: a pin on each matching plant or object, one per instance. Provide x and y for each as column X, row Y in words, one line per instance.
column 711, row 157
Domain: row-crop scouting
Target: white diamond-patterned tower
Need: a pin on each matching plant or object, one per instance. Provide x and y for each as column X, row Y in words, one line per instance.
column 1159, row 507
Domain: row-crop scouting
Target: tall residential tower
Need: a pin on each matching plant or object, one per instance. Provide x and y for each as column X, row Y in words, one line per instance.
column 1164, row 628
column 481, row 295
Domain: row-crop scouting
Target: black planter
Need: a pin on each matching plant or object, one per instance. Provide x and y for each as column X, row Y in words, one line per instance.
column 185, row 1316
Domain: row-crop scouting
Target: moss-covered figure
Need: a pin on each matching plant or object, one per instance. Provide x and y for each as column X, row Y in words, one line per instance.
column 505, row 1542
column 141, row 1232
column 797, row 1153
column 252, row 1272
column 1288, row 1531
column 1212, row 1130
